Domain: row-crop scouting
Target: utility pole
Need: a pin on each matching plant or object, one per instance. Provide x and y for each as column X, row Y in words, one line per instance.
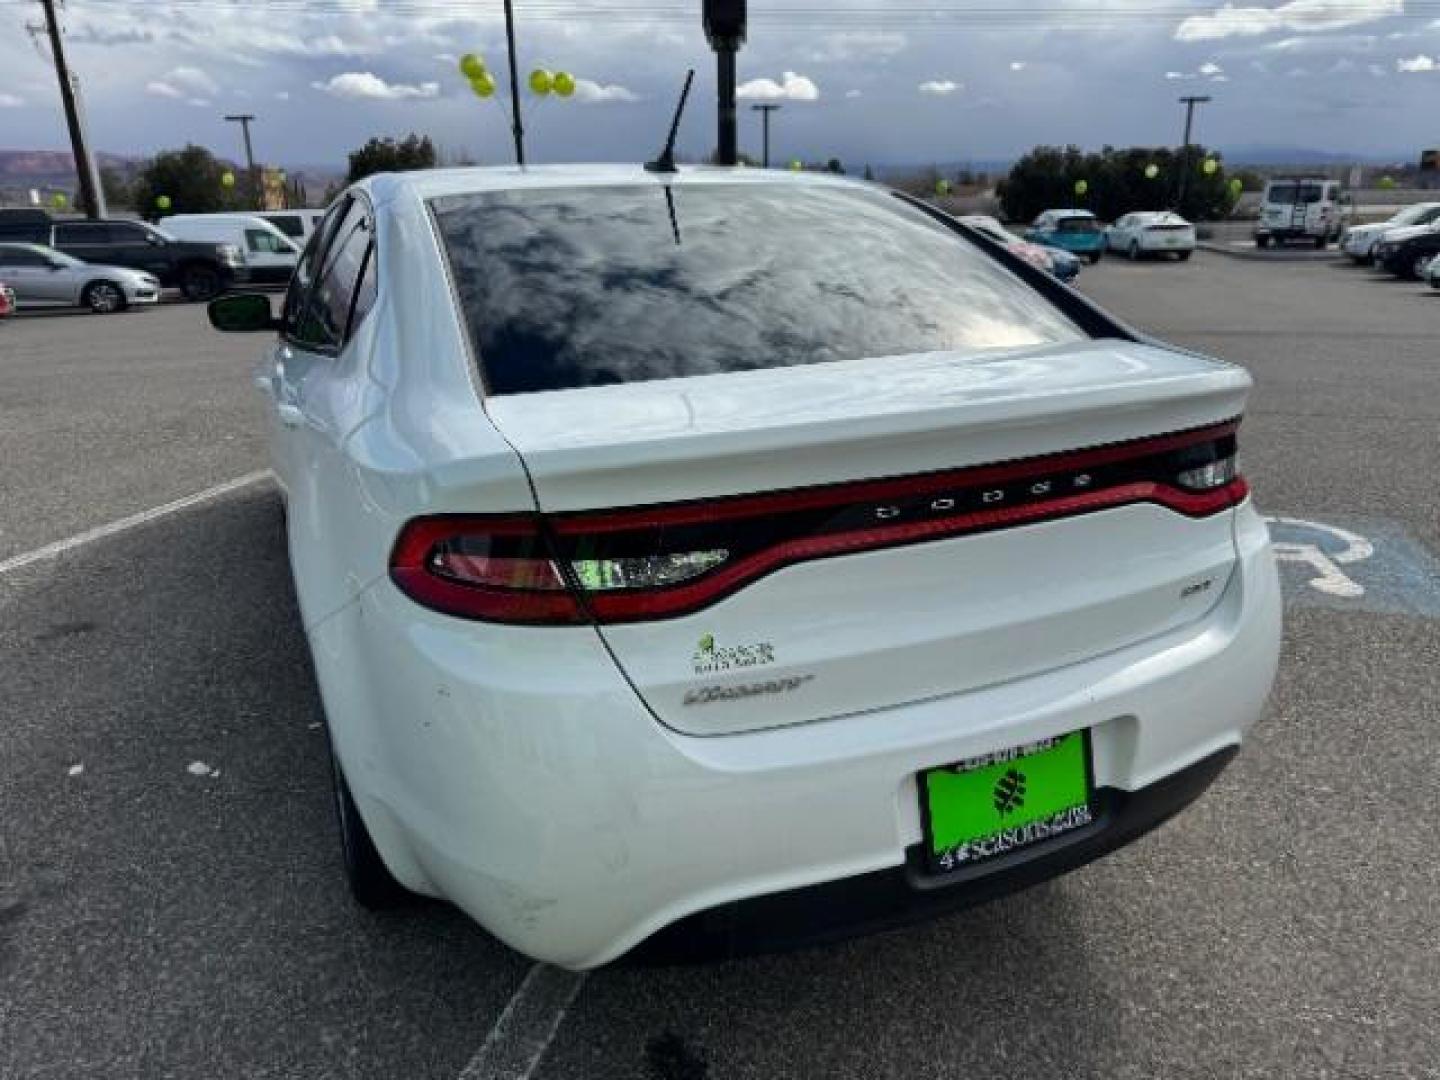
column 724, row 22
column 91, row 193
column 245, row 120
column 516, row 126
column 765, row 111
column 1189, row 101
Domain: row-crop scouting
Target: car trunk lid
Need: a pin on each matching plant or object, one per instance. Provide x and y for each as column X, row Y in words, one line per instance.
column 849, row 536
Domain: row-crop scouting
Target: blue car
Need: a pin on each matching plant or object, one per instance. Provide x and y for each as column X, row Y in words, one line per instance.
column 1075, row 231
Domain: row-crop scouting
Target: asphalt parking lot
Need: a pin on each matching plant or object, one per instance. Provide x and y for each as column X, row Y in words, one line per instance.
column 171, row 903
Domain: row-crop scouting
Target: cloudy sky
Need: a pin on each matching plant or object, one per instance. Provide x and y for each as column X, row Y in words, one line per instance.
column 864, row 80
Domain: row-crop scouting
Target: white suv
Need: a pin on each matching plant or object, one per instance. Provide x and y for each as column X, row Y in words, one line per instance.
column 731, row 556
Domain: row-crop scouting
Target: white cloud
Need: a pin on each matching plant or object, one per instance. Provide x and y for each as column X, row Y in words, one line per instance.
column 11, row 101
column 198, row 102
column 852, row 94
column 192, row 80
column 157, row 88
column 1173, row 75
column 866, row 45
column 792, row 87
column 938, row 87
column 1017, row 65
column 367, row 86
column 1417, row 64
column 1210, row 69
column 282, row 95
column 588, row 92
column 1298, row 16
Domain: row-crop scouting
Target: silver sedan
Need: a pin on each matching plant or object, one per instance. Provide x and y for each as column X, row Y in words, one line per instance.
column 43, row 277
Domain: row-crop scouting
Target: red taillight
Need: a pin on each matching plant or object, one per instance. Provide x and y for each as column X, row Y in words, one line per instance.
column 493, row 567
column 656, row 562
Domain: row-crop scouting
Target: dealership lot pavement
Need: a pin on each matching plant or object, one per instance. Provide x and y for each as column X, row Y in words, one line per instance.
column 171, row 903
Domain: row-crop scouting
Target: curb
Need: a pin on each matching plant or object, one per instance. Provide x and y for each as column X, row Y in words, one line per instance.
column 1269, row 255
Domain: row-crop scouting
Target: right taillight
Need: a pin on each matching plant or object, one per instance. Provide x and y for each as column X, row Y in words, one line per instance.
column 663, row 561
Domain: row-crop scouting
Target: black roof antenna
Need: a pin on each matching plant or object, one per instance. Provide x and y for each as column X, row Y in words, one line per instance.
column 665, row 163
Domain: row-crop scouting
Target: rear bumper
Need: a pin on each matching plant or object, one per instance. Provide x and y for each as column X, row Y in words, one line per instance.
column 517, row 774
column 886, row 899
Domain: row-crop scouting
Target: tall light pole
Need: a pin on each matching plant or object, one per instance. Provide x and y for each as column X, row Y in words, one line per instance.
column 724, row 22
column 245, row 120
column 91, row 192
column 1189, row 101
column 765, row 111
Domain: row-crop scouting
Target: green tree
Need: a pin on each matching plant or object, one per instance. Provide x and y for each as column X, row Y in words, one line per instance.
column 387, row 155
column 1118, row 182
column 190, row 178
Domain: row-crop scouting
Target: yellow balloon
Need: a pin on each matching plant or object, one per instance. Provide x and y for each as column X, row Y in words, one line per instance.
column 162, row 202
column 1151, row 171
column 227, row 179
column 58, row 200
column 795, row 165
column 471, row 66
column 1082, row 186
column 564, row 83
column 483, row 85
column 1210, row 166
column 541, row 82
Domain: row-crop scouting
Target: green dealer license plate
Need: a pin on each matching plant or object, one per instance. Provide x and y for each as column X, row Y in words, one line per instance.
column 993, row 804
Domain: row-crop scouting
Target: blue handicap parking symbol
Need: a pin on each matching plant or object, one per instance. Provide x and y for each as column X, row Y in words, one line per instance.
column 1355, row 565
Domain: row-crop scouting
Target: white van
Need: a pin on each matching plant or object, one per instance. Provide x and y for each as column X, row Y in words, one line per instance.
column 269, row 254
column 1309, row 208
column 296, row 224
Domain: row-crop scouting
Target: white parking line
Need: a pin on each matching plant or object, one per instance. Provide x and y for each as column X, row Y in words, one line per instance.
column 519, row 1039
column 59, row 547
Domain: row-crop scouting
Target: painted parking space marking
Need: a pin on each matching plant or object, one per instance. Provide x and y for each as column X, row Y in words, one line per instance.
column 1366, row 565
column 518, row 1041
column 125, row 524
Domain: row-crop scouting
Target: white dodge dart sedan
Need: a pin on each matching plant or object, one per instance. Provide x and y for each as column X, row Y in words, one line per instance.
column 702, row 562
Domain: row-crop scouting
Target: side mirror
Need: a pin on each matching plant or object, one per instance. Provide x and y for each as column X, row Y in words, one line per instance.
column 242, row 313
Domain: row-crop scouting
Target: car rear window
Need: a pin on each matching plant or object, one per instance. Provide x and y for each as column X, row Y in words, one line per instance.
column 570, row 287
column 1078, row 225
column 1291, row 194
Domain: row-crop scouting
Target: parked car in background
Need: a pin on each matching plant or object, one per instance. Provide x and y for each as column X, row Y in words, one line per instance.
column 270, row 255
column 43, row 277
column 1151, row 232
column 1301, row 208
column 1076, row 231
column 702, row 585
column 1052, row 260
column 200, row 269
column 7, row 301
column 1407, row 252
column 296, row 224
column 1359, row 241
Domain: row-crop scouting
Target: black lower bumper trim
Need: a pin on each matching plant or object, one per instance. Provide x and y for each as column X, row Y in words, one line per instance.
column 885, row 899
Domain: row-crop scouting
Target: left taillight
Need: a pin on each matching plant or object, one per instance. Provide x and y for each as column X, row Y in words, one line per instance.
column 496, row 568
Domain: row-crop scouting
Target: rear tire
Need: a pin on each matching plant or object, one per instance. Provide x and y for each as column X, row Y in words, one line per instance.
column 1419, row 266
column 103, row 297
column 371, row 883
column 1133, row 252
column 1262, row 241
column 200, row 283
column 1184, row 256
column 1321, row 242
column 1094, row 257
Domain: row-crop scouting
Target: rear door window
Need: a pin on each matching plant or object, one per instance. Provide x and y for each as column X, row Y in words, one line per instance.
column 82, row 233
column 564, row 287
column 264, row 243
